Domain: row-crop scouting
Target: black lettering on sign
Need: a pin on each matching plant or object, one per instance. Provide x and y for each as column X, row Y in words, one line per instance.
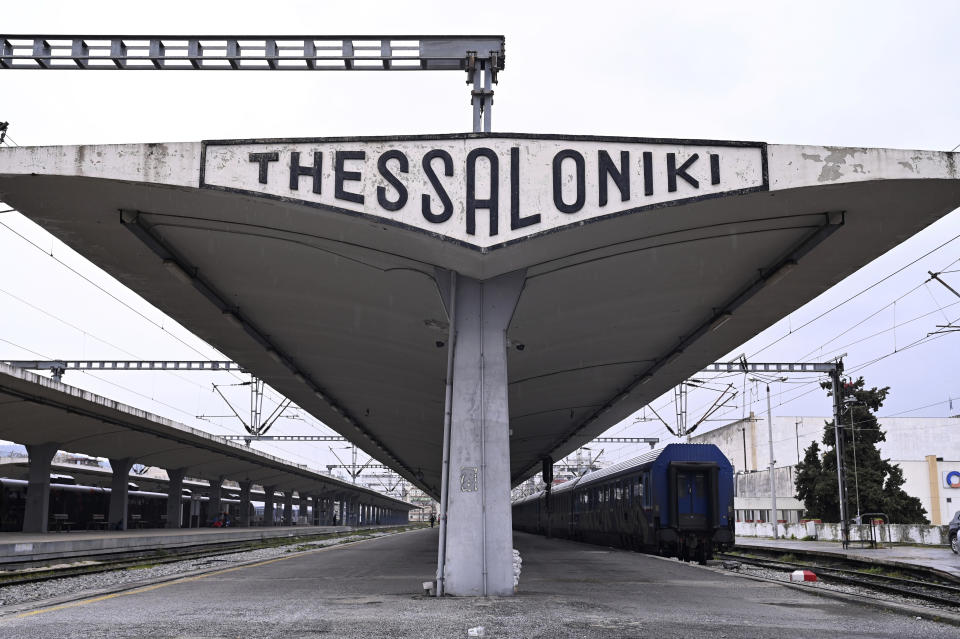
column 491, row 203
column 673, row 172
column 341, row 176
column 395, row 182
column 647, row 173
column 714, row 168
column 447, row 211
column 296, row 170
column 263, row 159
column 620, row 177
column 580, row 178
column 517, row 222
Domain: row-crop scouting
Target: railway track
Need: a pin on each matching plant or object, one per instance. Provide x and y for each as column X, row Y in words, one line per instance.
column 924, row 585
column 33, row 572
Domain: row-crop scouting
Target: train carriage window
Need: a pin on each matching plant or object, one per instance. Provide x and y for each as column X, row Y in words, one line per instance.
column 646, row 489
column 618, row 492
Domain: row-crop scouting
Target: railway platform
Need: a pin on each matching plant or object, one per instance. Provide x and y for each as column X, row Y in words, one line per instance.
column 18, row 547
column 372, row 588
column 937, row 557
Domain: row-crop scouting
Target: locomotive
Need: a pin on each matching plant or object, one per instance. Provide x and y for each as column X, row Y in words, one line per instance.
column 676, row 501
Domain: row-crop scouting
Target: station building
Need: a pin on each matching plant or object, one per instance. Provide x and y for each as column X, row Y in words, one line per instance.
column 927, row 449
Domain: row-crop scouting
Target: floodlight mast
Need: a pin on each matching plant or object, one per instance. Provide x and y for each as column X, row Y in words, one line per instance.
column 482, row 57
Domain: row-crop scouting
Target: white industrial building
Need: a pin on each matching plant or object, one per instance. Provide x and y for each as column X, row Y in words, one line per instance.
column 926, row 448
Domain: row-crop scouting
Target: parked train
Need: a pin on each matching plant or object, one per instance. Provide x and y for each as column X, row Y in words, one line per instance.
column 676, row 501
column 88, row 506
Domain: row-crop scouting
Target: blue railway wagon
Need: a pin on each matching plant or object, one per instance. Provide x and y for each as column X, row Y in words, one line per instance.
column 80, row 504
column 675, row 501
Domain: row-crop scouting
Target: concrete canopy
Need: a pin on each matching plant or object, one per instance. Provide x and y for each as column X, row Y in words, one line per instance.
column 36, row 410
column 332, row 294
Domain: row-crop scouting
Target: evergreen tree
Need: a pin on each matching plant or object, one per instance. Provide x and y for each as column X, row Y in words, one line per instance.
column 874, row 480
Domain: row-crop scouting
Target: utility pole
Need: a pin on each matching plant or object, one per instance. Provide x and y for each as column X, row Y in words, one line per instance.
column 856, row 477
column 841, row 474
column 773, row 480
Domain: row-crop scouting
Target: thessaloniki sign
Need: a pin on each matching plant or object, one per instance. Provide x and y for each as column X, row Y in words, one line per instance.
column 485, row 192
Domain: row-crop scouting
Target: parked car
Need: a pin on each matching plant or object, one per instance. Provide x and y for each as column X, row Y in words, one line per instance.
column 953, row 533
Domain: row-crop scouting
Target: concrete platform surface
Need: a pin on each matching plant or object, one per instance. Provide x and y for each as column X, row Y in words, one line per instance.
column 20, row 547
column 370, row 589
column 937, row 557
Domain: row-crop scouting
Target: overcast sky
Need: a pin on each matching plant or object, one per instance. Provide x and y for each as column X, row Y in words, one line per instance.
column 874, row 74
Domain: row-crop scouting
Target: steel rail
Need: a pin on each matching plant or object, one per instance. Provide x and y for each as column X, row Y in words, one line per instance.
column 926, row 590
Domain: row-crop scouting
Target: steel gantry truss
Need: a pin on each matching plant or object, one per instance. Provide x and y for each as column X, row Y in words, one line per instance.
column 59, row 366
column 482, row 57
column 834, row 369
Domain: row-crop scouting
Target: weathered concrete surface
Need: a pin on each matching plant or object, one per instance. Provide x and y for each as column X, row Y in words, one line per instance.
column 567, row 590
column 339, row 269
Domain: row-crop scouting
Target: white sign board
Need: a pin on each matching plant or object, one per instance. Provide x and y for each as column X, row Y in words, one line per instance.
column 485, row 191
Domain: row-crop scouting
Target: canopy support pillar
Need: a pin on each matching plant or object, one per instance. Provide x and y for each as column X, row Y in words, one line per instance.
column 476, row 546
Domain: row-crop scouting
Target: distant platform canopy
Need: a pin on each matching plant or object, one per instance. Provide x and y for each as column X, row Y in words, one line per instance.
column 35, row 410
column 320, row 264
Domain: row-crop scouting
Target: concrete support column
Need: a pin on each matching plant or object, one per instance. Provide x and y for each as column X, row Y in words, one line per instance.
column 175, row 496
column 245, row 487
column 476, row 556
column 214, row 507
column 36, row 514
column 118, row 492
column 288, row 508
column 268, row 505
column 317, row 500
column 331, row 510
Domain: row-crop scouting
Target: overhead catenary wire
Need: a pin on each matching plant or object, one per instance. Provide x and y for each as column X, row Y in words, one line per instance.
column 153, row 322
column 912, row 290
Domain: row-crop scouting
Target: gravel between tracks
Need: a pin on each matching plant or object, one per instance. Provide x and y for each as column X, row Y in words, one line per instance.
column 864, row 592
column 39, row 591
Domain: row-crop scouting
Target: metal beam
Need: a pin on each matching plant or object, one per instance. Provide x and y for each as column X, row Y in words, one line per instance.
column 250, row 52
column 287, row 438
column 381, row 466
column 124, row 365
column 767, row 367
column 629, row 440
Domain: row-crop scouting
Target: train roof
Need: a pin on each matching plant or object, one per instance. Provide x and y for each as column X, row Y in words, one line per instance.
column 699, row 452
column 702, row 452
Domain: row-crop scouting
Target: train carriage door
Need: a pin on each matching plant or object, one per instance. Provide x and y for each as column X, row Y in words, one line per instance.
column 692, row 495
